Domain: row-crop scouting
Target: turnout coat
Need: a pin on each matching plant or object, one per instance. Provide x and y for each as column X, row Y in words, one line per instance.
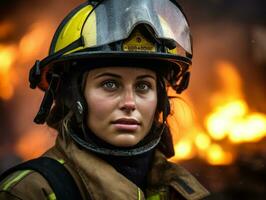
column 98, row 180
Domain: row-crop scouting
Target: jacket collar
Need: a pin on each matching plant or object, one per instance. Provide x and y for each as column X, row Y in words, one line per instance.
column 102, row 181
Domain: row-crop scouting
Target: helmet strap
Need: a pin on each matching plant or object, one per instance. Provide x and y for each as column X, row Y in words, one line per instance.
column 47, row 101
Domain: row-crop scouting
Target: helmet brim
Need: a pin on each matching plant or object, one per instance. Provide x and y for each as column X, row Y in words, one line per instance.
column 159, row 62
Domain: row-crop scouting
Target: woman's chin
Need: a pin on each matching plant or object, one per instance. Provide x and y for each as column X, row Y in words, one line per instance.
column 125, row 140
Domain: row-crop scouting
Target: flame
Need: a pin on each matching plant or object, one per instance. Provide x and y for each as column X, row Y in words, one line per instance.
column 15, row 59
column 184, row 149
column 7, row 75
column 233, row 121
column 202, row 141
column 251, row 128
column 231, row 117
column 223, row 119
column 33, row 42
column 230, row 120
column 217, row 156
column 30, row 46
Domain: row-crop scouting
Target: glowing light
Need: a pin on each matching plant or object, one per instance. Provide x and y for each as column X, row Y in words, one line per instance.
column 250, row 129
column 220, row 122
column 217, row 156
column 7, row 75
column 202, row 141
column 183, row 149
column 217, row 126
column 34, row 41
column 7, row 57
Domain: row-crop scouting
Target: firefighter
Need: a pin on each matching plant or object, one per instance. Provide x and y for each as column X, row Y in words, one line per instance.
column 105, row 84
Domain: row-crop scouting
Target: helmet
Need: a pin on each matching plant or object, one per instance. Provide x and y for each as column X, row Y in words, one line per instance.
column 141, row 33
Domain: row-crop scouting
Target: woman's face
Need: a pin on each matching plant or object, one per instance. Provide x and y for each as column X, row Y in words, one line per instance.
column 122, row 103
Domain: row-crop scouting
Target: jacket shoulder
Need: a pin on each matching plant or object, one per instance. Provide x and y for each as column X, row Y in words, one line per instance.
column 25, row 184
column 166, row 173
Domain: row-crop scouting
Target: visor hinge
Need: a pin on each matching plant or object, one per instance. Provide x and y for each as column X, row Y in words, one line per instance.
column 35, row 75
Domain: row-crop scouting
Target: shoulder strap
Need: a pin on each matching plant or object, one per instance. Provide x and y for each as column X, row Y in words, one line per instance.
column 58, row 177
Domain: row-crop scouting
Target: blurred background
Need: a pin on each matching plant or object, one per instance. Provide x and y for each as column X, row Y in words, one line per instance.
column 219, row 125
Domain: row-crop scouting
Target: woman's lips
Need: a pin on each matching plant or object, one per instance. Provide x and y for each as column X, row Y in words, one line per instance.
column 126, row 124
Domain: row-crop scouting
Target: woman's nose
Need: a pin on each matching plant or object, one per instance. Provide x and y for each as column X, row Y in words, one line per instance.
column 128, row 103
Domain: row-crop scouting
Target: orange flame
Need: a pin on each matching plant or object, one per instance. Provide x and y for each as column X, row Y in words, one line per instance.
column 34, row 41
column 217, row 156
column 230, row 119
column 7, row 75
column 184, row 149
column 31, row 45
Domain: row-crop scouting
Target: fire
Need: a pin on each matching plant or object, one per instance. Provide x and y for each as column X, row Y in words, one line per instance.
column 229, row 121
column 15, row 59
column 202, row 141
column 7, row 74
column 232, row 118
column 251, row 128
column 33, row 42
column 184, row 149
column 235, row 122
column 217, row 156
column 12, row 56
column 223, row 119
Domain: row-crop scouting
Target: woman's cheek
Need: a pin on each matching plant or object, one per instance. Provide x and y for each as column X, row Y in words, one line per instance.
column 100, row 108
column 148, row 108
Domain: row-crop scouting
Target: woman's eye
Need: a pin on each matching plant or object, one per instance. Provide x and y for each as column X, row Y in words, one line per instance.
column 110, row 85
column 143, row 87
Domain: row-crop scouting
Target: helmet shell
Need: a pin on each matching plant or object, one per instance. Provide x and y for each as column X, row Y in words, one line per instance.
column 83, row 36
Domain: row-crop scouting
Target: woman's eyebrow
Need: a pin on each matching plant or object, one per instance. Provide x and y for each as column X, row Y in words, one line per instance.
column 146, row 76
column 107, row 74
